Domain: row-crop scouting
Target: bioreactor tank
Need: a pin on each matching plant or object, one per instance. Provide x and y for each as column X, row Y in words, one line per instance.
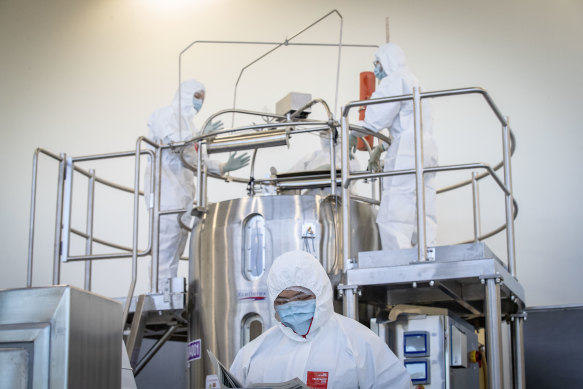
column 232, row 248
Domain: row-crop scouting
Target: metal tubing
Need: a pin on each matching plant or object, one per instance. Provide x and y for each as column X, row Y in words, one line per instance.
column 266, row 126
column 199, row 195
column 112, row 155
column 493, row 333
column 306, row 184
column 332, row 164
column 285, row 43
column 58, row 221
column 203, row 186
column 338, row 62
column 419, row 178
column 156, row 218
column 155, row 348
column 242, row 111
column 253, row 168
column 89, row 227
column 135, row 235
column 32, row 219
column 350, row 303
column 508, row 201
column 67, row 209
column 518, row 353
column 445, row 93
column 467, row 166
column 136, row 212
column 255, row 140
column 476, row 207
column 95, row 257
column 345, row 171
column 294, row 115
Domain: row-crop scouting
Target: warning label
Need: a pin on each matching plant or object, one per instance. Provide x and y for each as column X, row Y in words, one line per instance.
column 317, row 379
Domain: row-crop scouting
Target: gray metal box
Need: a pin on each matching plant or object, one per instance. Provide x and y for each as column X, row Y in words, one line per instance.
column 59, row 337
column 292, row 102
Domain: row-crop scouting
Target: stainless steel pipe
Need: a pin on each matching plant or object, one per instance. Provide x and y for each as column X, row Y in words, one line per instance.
column 249, row 141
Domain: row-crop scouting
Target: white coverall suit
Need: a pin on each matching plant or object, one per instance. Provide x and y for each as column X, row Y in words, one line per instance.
column 177, row 182
column 397, row 217
column 337, row 351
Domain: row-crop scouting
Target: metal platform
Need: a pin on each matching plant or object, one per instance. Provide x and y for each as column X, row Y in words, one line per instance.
column 454, row 278
column 155, row 315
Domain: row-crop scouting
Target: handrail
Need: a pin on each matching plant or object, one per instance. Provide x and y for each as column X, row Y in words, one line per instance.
column 89, row 237
column 508, row 149
column 268, row 127
column 489, row 172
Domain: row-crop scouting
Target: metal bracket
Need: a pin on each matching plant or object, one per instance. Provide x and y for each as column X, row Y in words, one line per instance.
column 521, row 315
column 499, row 279
column 431, row 254
column 351, row 263
column 200, row 210
column 355, row 289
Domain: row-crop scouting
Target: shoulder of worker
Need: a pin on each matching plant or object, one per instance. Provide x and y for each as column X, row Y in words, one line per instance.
column 374, row 355
column 395, row 84
column 266, row 338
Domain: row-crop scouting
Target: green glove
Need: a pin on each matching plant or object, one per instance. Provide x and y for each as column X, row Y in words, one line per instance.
column 236, row 162
column 375, row 156
column 212, row 127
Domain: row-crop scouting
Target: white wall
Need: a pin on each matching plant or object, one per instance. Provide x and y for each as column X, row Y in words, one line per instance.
column 83, row 77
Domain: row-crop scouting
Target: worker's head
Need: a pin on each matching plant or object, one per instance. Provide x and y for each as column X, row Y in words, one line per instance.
column 198, row 99
column 190, row 91
column 301, row 294
column 389, row 58
column 295, row 307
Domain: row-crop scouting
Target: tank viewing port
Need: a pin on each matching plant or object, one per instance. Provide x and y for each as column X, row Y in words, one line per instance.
column 253, row 247
column 251, row 328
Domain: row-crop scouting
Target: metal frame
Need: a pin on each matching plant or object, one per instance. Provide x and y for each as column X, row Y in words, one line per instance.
column 264, row 132
column 493, row 315
column 277, row 45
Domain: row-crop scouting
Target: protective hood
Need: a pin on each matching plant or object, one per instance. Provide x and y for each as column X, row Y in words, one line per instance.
column 392, row 58
column 298, row 268
column 182, row 101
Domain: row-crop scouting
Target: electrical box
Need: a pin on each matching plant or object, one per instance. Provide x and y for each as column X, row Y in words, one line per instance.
column 459, row 348
column 434, row 348
column 293, row 102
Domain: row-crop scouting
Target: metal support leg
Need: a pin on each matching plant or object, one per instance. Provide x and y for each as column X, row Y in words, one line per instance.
column 493, row 331
column 518, row 351
column 134, row 342
column 349, row 294
column 155, row 348
column 59, row 220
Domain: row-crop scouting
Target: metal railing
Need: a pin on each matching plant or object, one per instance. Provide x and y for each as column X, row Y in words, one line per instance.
column 419, row 170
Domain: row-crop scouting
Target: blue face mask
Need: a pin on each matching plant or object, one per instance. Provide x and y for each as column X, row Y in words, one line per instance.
column 197, row 104
column 379, row 72
column 297, row 315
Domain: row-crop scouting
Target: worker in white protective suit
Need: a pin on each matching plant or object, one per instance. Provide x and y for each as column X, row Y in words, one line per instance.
column 311, row 341
column 167, row 125
column 397, row 220
column 320, row 160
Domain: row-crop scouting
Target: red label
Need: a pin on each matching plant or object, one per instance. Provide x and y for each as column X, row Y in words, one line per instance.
column 317, row 379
